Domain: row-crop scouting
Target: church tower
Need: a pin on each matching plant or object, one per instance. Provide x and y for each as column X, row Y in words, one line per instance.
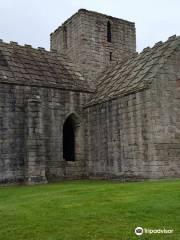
column 94, row 41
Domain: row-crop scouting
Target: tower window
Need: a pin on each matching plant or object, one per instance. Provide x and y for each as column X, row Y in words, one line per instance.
column 109, row 31
column 65, row 36
column 110, row 56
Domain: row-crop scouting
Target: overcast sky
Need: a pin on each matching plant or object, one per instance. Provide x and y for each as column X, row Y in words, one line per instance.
column 31, row 21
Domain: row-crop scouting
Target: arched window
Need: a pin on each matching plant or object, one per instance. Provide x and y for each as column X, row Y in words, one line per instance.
column 70, row 137
column 108, row 31
column 69, row 140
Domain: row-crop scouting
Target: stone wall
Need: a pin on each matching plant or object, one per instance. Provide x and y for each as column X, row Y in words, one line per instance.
column 118, row 138
column 83, row 38
column 166, row 119
column 31, row 129
column 138, row 136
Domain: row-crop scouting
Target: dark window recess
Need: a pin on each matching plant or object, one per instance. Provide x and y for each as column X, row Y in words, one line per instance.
column 69, row 140
column 65, row 36
column 110, row 56
column 109, row 31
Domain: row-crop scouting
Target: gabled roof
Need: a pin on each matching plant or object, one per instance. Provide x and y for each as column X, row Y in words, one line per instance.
column 25, row 65
column 135, row 73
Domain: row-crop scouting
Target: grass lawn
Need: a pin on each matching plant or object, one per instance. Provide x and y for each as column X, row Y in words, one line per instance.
column 80, row 210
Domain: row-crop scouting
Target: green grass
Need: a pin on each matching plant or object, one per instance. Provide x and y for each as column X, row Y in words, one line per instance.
column 96, row 210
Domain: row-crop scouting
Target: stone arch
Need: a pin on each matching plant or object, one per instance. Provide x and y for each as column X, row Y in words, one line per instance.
column 72, row 137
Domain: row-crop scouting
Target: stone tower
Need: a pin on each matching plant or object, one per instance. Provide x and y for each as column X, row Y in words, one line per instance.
column 94, row 40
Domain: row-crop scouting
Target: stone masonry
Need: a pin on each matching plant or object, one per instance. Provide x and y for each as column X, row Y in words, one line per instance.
column 91, row 107
column 83, row 38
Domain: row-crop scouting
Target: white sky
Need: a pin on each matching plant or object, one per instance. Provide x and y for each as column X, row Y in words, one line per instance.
column 31, row 21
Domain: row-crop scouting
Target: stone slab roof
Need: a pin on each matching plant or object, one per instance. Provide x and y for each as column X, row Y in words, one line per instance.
column 135, row 73
column 24, row 65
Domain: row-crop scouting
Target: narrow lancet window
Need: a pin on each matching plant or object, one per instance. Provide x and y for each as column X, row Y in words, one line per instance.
column 109, row 31
column 65, row 36
column 110, row 56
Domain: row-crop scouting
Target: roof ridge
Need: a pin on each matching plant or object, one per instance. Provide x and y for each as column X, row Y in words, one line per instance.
column 136, row 73
column 158, row 45
column 38, row 49
column 38, row 67
column 14, row 43
column 29, row 46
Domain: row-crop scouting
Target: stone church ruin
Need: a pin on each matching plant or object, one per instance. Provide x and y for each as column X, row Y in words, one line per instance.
column 91, row 107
